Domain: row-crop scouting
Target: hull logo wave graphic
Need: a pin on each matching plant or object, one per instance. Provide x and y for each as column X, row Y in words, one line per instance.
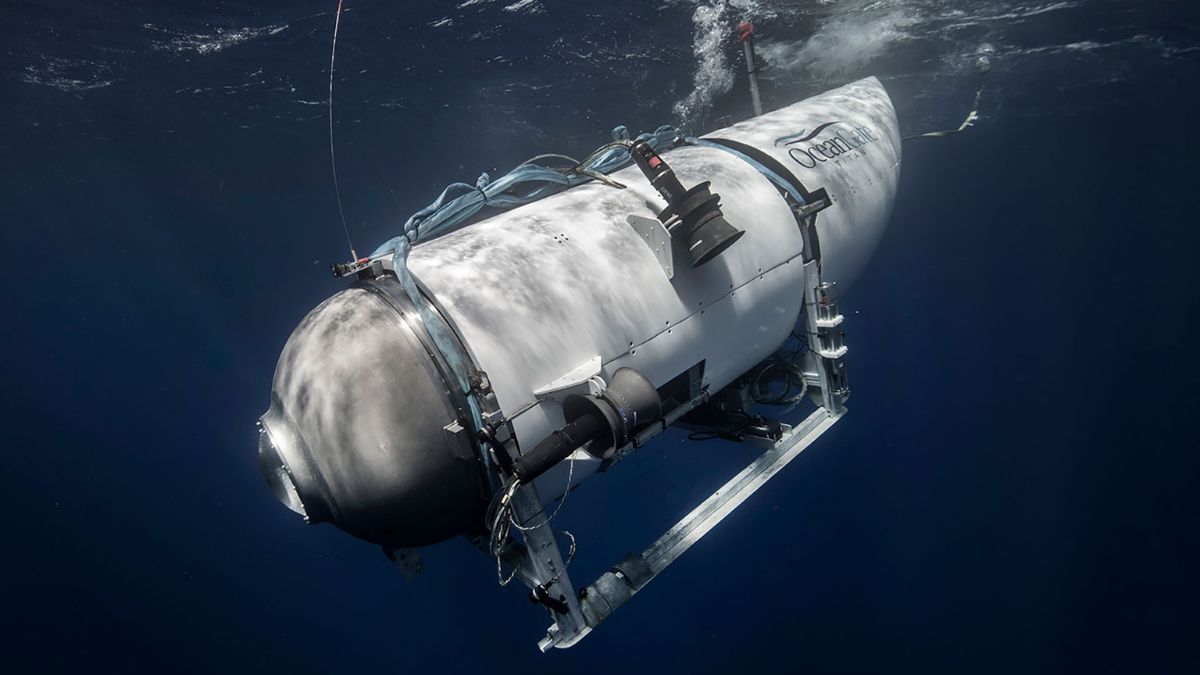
column 801, row 137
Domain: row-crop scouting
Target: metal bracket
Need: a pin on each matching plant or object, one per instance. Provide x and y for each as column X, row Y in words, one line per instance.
column 810, row 209
column 584, row 376
column 823, row 321
column 658, row 239
column 826, row 345
column 543, row 567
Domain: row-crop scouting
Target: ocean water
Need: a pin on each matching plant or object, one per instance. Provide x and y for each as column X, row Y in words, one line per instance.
column 1013, row 490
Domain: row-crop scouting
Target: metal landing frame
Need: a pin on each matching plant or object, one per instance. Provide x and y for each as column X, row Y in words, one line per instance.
column 542, row 568
column 615, row 587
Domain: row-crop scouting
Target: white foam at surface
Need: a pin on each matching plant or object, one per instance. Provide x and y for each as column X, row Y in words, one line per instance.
column 843, row 44
column 527, row 6
column 850, row 35
column 69, row 75
column 209, row 43
column 713, row 76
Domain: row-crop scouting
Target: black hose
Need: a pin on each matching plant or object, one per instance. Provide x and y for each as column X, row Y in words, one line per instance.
column 557, row 446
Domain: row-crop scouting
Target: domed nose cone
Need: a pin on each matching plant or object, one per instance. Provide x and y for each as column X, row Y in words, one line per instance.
column 360, row 427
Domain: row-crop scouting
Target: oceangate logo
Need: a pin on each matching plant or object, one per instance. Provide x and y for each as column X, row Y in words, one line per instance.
column 843, row 140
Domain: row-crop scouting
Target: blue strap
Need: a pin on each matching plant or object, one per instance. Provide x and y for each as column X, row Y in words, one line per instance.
column 459, row 201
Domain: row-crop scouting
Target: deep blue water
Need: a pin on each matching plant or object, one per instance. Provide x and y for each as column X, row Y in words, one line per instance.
column 1014, row 488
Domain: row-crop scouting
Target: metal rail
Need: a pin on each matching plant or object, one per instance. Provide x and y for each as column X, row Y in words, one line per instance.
column 615, row 587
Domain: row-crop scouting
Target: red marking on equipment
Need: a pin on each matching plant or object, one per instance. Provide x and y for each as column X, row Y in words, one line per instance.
column 363, row 260
column 655, row 162
column 745, row 31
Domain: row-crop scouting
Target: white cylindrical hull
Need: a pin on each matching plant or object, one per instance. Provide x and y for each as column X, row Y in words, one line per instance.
column 541, row 290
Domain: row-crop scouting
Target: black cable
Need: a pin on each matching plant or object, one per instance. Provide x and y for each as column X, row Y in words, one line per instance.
column 756, row 382
column 727, row 431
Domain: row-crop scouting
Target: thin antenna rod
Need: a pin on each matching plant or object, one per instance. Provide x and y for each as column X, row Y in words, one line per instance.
column 332, row 157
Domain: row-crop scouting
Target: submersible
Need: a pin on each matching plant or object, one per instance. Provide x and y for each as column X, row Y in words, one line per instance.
column 520, row 354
